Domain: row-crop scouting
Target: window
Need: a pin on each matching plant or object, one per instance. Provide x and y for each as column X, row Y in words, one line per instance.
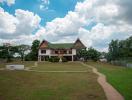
column 56, row 52
column 43, row 51
column 65, row 52
column 70, row 51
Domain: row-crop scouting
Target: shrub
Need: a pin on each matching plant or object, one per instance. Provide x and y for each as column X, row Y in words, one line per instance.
column 54, row 59
column 64, row 59
column 28, row 57
column 50, row 59
column 46, row 59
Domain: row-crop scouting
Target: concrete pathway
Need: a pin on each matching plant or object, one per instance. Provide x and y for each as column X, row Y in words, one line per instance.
column 2, row 68
column 57, row 71
column 35, row 64
column 111, row 92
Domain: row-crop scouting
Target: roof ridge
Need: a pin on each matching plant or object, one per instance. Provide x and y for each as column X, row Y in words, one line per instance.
column 61, row 43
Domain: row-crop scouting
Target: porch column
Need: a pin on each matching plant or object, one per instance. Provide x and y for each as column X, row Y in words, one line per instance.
column 40, row 58
column 49, row 55
column 72, row 58
column 44, row 58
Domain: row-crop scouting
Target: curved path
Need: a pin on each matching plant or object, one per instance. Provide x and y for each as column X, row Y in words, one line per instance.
column 111, row 92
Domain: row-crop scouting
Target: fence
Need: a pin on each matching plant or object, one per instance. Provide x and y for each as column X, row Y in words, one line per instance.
column 122, row 63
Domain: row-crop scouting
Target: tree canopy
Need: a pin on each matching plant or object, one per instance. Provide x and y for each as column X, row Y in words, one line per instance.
column 90, row 54
column 33, row 55
column 120, row 49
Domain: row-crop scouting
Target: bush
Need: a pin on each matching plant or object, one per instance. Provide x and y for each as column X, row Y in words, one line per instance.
column 46, row 59
column 54, row 59
column 28, row 57
column 64, row 59
column 50, row 59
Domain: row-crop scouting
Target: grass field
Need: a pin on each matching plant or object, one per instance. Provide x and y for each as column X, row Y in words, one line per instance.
column 68, row 66
column 119, row 77
column 22, row 85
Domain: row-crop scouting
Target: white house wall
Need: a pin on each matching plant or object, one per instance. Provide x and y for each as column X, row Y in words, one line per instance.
column 73, row 51
column 48, row 51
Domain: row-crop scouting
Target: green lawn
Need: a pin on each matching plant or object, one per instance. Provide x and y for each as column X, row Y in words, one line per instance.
column 119, row 77
column 22, row 85
column 68, row 66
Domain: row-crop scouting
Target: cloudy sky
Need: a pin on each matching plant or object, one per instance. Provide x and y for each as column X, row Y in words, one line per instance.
column 95, row 22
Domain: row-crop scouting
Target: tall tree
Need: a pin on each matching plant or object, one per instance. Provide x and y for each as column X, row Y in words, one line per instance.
column 7, row 52
column 3, row 52
column 82, row 54
column 34, row 50
column 22, row 50
column 90, row 54
column 120, row 49
column 114, row 49
column 93, row 54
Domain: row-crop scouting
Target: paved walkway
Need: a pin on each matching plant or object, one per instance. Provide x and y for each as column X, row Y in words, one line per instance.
column 2, row 68
column 57, row 71
column 111, row 92
column 35, row 64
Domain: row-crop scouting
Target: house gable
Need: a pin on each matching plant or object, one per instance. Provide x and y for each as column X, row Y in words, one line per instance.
column 79, row 45
column 44, row 44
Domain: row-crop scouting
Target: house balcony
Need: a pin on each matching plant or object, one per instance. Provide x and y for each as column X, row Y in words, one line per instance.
column 57, row 52
column 61, row 52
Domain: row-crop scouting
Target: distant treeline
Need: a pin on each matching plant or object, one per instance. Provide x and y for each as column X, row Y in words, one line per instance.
column 120, row 49
column 24, row 52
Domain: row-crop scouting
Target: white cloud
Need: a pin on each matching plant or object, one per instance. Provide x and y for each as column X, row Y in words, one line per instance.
column 64, row 27
column 9, row 2
column 97, row 34
column 44, row 4
column 107, row 15
column 7, row 22
column 28, row 22
column 109, row 10
column 100, row 35
column 19, row 27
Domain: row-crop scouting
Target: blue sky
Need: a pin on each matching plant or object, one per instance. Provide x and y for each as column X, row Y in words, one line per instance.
column 56, row 8
column 95, row 22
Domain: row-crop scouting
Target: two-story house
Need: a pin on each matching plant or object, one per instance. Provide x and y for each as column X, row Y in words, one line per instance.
column 67, row 50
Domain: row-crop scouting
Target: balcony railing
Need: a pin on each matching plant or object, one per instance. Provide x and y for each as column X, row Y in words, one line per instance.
column 61, row 52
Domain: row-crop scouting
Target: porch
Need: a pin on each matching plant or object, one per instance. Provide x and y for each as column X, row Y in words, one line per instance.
column 46, row 57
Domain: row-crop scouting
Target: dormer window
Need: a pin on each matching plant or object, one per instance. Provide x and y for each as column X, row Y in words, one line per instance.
column 43, row 51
